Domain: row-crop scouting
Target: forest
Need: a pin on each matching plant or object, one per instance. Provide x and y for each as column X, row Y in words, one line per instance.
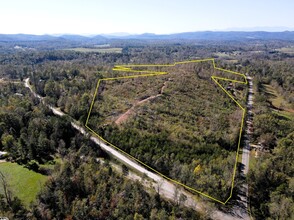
column 34, row 138
column 271, row 178
column 174, row 133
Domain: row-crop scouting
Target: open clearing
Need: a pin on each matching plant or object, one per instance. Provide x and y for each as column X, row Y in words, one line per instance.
column 279, row 104
column 96, row 50
column 23, row 182
column 287, row 50
column 170, row 130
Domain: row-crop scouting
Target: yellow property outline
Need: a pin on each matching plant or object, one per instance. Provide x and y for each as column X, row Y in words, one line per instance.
column 128, row 68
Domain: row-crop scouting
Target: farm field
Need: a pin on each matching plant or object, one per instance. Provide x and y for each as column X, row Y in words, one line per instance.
column 96, row 50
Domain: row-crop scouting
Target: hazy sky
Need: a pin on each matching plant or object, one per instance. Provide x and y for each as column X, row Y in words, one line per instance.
column 141, row 16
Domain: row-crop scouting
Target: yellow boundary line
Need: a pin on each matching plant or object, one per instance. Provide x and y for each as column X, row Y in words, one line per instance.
column 129, row 68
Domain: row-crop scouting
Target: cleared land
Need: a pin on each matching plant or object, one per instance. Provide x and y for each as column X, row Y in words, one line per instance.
column 185, row 127
column 287, row 50
column 96, row 50
column 279, row 104
column 24, row 183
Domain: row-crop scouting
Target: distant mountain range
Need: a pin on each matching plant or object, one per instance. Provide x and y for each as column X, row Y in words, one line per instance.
column 201, row 35
column 265, row 28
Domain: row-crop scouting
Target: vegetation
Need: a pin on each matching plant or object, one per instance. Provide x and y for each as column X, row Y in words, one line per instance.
column 161, row 131
column 287, row 50
column 178, row 129
column 271, row 179
column 96, row 50
column 29, row 131
column 75, row 193
column 277, row 101
column 24, row 183
column 33, row 136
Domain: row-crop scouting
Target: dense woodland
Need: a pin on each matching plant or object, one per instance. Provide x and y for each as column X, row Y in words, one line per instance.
column 83, row 188
column 67, row 79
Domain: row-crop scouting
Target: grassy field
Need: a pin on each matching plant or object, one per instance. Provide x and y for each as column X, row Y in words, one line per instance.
column 278, row 102
column 102, row 45
column 96, row 50
column 288, row 50
column 24, row 183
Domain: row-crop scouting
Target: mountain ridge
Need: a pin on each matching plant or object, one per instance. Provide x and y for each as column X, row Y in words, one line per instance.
column 198, row 35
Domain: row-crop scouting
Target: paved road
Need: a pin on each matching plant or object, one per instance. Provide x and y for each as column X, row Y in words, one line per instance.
column 165, row 188
column 246, row 149
column 242, row 209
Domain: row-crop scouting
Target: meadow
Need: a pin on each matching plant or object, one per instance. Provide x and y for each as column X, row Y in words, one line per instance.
column 24, row 183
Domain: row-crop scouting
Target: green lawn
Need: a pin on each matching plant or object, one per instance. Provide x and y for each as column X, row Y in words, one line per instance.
column 24, row 183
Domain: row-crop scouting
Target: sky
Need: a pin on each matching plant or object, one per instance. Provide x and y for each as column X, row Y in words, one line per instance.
column 87, row 17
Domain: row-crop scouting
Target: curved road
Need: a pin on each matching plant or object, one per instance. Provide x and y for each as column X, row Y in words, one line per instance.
column 164, row 187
